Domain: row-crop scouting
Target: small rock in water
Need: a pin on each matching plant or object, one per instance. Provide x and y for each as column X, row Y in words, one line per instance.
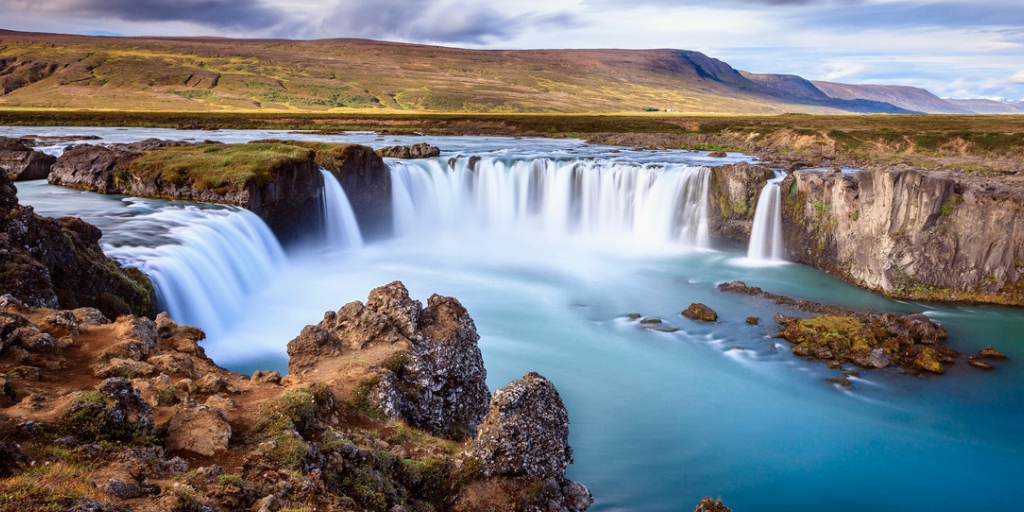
column 991, row 353
column 851, row 373
column 753, row 320
column 978, row 363
column 710, row 505
column 633, row 316
column 718, row 154
column 651, row 320
column 842, row 382
column 700, row 312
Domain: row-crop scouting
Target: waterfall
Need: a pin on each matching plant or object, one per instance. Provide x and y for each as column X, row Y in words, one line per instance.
column 584, row 197
column 766, row 234
column 341, row 231
column 210, row 261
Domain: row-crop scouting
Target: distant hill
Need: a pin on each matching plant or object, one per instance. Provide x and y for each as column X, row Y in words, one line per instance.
column 910, row 98
column 980, row 106
column 65, row 71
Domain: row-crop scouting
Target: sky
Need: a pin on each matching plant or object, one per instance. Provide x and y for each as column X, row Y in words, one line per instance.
column 954, row 48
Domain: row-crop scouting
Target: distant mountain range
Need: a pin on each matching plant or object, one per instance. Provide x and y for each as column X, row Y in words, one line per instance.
column 91, row 72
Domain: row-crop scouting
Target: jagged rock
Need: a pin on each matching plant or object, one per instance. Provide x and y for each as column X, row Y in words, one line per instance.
column 221, row 402
column 58, row 263
column 129, row 490
column 90, row 317
column 10, row 301
column 116, row 413
column 733, row 191
column 526, row 431
column 136, row 338
column 128, row 368
column 710, row 505
column 174, row 364
column 200, row 429
column 700, row 312
column 419, row 150
column 21, row 163
column 978, row 363
column 165, row 327
column 929, row 360
column 991, row 353
column 64, row 320
column 272, row 377
column 212, row 383
column 434, row 378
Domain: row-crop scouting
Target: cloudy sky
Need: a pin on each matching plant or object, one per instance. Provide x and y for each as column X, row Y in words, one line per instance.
column 955, row 48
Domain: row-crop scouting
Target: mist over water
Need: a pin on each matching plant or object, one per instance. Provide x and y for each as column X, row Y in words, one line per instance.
column 550, row 245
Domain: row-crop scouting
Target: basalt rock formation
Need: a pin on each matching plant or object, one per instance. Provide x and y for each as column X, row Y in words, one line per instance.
column 910, row 234
column 21, row 163
column 733, row 191
column 364, row 177
column 286, row 201
column 424, row 364
column 53, row 263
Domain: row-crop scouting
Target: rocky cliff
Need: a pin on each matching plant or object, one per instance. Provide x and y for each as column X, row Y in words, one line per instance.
column 47, row 262
column 21, row 163
column 131, row 415
column 283, row 187
column 910, row 234
column 733, row 191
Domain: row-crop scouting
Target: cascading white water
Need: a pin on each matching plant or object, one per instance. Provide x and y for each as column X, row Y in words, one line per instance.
column 216, row 260
column 656, row 203
column 341, row 231
column 766, row 234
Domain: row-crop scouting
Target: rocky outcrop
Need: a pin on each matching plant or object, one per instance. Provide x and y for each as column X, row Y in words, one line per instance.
column 710, row 505
column 526, row 436
column 287, row 200
column 199, row 429
column 47, row 262
column 419, row 150
column 700, row 313
column 425, row 367
column 21, row 163
column 733, row 191
column 366, row 180
column 910, row 234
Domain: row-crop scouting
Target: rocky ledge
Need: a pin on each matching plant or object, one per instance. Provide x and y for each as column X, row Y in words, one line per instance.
column 908, row 343
column 419, row 150
column 58, row 263
column 21, row 163
column 131, row 415
column 278, row 180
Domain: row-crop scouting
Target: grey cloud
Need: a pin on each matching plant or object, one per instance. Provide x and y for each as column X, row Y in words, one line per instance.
column 428, row 21
column 916, row 14
column 229, row 14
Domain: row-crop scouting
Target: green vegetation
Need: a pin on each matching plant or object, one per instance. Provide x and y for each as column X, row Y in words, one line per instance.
column 48, row 487
column 212, row 166
column 950, row 203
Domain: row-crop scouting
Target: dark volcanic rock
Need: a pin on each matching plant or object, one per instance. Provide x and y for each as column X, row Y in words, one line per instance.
column 433, row 377
column 21, row 163
column 526, row 435
column 420, row 150
column 47, row 262
column 366, row 180
column 701, row 313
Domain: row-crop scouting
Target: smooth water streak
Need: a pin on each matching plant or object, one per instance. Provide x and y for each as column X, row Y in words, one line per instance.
column 341, row 231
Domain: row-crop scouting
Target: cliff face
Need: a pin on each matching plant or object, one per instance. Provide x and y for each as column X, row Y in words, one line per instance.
column 47, row 262
column 366, row 180
column 733, row 191
column 910, row 234
column 287, row 202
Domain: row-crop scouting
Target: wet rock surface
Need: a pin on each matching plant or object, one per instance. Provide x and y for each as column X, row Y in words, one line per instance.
column 710, row 505
column 59, row 263
column 733, row 191
column 700, row 313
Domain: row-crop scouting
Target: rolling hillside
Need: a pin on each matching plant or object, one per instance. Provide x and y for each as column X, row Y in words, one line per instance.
column 82, row 72
column 910, row 98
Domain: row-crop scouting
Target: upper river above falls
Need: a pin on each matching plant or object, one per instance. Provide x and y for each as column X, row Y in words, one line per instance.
column 550, row 274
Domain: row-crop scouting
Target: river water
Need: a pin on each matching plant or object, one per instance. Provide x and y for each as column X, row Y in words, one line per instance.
column 550, row 244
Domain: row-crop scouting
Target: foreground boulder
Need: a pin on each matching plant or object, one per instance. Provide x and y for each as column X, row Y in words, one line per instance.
column 21, row 163
column 525, row 437
column 59, row 263
column 424, row 364
column 700, row 313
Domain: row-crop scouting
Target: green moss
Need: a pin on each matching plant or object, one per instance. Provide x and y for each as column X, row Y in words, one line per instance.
column 212, row 166
column 950, row 203
column 856, row 214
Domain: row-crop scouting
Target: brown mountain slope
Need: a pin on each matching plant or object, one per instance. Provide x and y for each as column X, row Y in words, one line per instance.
column 63, row 71
column 910, row 98
column 981, row 106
